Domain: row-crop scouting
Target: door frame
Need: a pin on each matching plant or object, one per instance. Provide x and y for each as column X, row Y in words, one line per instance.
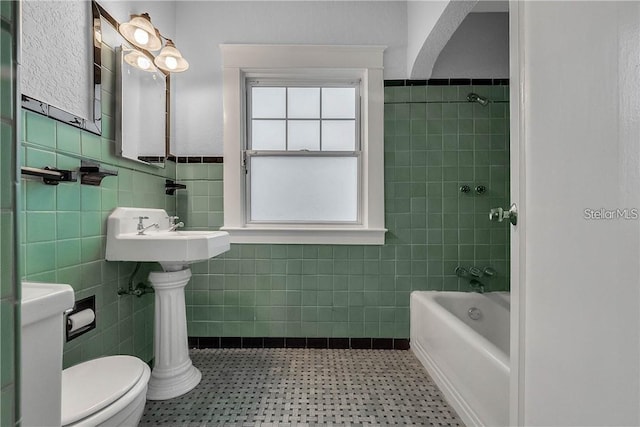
column 517, row 193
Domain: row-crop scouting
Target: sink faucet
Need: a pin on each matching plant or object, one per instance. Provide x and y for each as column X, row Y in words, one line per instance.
column 477, row 286
column 173, row 225
column 141, row 228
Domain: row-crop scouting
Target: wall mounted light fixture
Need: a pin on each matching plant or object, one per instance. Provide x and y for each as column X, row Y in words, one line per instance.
column 140, row 32
column 170, row 59
column 139, row 60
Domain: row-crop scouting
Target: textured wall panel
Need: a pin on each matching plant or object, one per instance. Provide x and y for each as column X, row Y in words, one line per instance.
column 56, row 54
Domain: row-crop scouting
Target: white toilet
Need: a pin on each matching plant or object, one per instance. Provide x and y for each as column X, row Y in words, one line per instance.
column 109, row 391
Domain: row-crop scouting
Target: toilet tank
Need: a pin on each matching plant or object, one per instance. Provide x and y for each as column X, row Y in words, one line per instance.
column 42, row 312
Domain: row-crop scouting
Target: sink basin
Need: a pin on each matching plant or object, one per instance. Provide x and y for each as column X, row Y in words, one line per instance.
column 172, row 249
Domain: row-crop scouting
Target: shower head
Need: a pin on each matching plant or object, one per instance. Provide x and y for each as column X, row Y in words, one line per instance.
column 474, row 97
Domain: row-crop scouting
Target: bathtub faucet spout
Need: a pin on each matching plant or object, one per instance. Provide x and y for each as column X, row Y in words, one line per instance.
column 477, row 286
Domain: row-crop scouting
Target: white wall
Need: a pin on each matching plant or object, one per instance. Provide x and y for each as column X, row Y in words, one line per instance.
column 203, row 26
column 479, row 48
column 422, row 16
column 580, row 339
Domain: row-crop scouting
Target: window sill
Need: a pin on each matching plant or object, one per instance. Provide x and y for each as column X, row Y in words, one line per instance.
column 317, row 236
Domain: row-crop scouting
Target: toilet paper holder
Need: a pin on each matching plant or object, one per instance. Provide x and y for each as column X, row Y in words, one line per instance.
column 88, row 303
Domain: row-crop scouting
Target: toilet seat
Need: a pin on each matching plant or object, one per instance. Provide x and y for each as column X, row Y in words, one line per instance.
column 92, row 386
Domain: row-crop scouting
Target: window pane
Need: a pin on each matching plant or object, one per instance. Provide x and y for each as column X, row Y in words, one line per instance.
column 311, row 189
column 304, row 135
column 268, row 102
column 338, row 135
column 338, row 103
column 268, row 135
column 304, row 102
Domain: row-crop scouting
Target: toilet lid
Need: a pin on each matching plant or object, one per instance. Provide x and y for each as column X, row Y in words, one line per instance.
column 93, row 385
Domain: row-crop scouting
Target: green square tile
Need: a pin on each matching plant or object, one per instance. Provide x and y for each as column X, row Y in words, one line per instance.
column 418, row 93
column 109, row 199
column 90, row 198
column 356, row 330
column 215, row 171
column 68, row 197
column 434, row 127
column 66, row 162
column 90, row 274
column 39, row 197
column 450, row 111
column 91, row 145
column 40, row 130
column 389, row 94
column 389, row 111
column 450, row 126
column 465, row 111
column 68, row 225
column 92, row 249
column 90, row 224
column 418, row 111
column 499, row 110
column 402, row 94
column 68, row 253
column 41, row 226
column 481, row 125
column 434, row 111
column 450, row 93
column 68, row 138
column 480, row 111
column 40, row 257
column 434, row 93
column 39, row 158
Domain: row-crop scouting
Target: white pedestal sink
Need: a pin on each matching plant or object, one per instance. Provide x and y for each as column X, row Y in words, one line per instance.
column 173, row 373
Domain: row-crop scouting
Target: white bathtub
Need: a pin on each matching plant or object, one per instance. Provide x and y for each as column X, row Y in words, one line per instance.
column 468, row 359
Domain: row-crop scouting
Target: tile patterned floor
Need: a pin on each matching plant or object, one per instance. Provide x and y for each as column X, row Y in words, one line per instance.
column 305, row 387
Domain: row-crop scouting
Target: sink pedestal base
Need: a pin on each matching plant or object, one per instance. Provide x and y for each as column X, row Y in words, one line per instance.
column 173, row 373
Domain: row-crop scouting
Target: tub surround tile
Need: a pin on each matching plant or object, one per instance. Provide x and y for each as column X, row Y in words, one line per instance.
column 431, row 149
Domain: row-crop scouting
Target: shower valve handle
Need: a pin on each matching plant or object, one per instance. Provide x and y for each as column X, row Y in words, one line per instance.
column 499, row 214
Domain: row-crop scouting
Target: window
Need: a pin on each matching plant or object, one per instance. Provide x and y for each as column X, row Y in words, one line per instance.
column 303, row 144
column 302, row 157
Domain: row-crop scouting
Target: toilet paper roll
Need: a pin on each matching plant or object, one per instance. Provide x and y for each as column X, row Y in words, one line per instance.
column 80, row 319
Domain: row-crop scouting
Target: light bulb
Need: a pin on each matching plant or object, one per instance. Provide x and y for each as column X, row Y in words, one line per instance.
column 171, row 62
column 143, row 62
column 141, row 36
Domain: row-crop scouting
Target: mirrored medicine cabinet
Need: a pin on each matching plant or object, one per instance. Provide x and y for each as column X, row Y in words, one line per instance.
column 66, row 82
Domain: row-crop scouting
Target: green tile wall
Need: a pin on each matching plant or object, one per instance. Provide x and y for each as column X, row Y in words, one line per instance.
column 9, row 294
column 64, row 226
column 435, row 141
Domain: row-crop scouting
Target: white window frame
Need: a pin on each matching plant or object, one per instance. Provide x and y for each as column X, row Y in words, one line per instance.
column 312, row 62
column 251, row 153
